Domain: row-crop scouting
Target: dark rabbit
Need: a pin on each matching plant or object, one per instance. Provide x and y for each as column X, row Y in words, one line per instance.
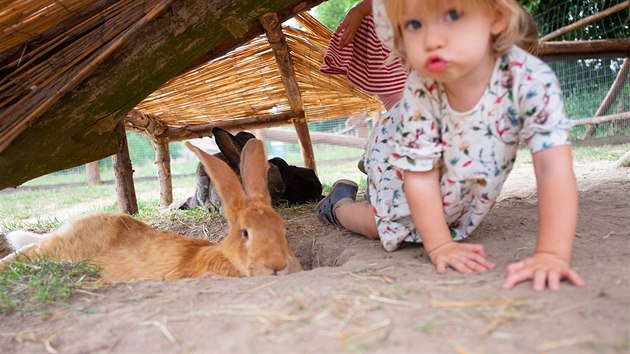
column 230, row 146
column 301, row 184
column 304, row 184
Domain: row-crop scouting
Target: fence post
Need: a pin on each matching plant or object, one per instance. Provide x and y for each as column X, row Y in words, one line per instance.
column 163, row 162
column 123, row 174
column 93, row 173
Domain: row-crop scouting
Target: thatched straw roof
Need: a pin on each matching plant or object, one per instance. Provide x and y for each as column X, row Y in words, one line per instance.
column 247, row 83
column 45, row 53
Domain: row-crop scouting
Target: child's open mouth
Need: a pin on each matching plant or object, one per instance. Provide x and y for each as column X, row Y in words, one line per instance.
column 435, row 64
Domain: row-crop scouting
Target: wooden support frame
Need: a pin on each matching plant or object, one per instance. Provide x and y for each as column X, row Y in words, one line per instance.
column 147, row 123
column 306, row 144
column 93, row 173
column 203, row 130
column 123, row 175
column 163, row 162
column 585, row 21
column 277, row 40
column 602, row 119
column 584, row 49
column 615, row 88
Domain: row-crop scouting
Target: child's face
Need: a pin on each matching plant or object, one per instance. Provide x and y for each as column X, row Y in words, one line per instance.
column 449, row 42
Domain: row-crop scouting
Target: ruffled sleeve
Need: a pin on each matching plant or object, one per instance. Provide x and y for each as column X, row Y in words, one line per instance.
column 545, row 124
column 417, row 144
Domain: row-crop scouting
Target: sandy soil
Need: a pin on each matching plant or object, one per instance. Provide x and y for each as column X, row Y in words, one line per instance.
column 356, row 297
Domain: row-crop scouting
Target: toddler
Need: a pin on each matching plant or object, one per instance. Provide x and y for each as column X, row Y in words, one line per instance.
column 437, row 163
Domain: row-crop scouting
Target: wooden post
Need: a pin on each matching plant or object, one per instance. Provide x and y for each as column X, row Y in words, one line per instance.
column 163, row 162
column 306, row 144
column 123, row 175
column 623, row 160
column 585, row 21
column 610, row 96
column 277, row 40
column 93, row 173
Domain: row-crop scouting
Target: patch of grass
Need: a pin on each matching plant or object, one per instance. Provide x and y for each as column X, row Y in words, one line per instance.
column 41, row 282
column 39, row 224
column 198, row 214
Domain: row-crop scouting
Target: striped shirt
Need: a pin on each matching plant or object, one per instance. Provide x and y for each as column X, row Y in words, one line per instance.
column 367, row 63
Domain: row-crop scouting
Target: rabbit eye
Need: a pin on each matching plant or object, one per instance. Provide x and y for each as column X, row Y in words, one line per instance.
column 245, row 234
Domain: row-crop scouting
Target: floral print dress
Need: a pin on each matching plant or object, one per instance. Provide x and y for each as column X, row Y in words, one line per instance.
column 475, row 150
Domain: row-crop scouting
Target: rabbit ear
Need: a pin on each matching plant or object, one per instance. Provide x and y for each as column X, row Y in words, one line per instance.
column 225, row 181
column 254, row 168
column 243, row 137
column 229, row 146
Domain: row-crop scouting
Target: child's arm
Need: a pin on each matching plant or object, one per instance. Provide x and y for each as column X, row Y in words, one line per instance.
column 557, row 218
column 422, row 190
column 352, row 21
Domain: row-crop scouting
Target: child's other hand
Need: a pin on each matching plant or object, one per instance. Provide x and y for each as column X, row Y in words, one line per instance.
column 544, row 270
column 463, row 257
column 350, row 25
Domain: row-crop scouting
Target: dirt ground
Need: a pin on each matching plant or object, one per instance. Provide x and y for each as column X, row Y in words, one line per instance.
column 355, row 297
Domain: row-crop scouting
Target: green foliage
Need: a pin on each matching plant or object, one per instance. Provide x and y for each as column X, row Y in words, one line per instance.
column 332, row 12
column 42, row 281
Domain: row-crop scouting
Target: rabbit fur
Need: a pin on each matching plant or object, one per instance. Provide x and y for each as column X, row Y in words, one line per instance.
column 127, row 249
column 301, row 184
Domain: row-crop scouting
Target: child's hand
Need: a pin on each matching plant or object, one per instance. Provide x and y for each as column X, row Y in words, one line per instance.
column 350, row 25
column 544, row 270
column 463, row 257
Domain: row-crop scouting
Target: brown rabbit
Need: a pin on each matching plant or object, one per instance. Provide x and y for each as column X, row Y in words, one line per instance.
column 128, row 249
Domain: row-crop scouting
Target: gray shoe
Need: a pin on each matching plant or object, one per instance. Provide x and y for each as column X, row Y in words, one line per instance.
column 342, row 189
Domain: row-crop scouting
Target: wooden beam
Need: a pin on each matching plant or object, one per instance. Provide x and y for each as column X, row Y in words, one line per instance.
column 615, row 88
column 585, row 21
column 146, row 123
column 318, row 138
column 278, row 42
column 202, row 130
column 584, row 49
column 306, row 145
column 623, row 160
column 607, row 140
column 602, row 119
column 123, row 175
column 163, row 162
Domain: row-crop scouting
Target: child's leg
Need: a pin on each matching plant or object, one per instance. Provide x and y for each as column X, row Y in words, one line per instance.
column 358, row 218
column 385, row 188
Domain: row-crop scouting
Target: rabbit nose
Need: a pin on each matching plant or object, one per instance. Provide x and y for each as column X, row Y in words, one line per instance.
column 280, row 271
